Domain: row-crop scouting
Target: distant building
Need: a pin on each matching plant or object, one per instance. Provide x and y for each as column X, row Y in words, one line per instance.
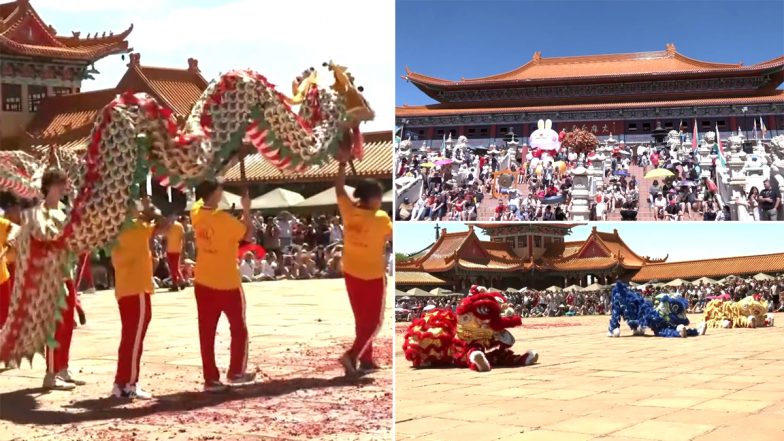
column 623, row 94
column 537, row 256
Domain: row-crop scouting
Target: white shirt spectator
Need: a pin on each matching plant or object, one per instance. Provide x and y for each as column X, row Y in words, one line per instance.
column 247, row 270
column 268, row 269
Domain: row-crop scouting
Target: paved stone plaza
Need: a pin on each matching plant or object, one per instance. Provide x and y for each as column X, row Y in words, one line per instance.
column 722, row 386
column 297, row 330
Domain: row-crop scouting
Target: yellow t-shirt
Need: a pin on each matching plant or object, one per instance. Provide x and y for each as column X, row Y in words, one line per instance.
column 132, row 260
column 218, row 235
column 174, row 238
column 5, row 228
column 364, row 240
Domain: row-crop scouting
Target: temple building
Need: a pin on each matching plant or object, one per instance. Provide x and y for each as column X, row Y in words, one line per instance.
column 36, row 63
column 538, row 256
column 626, row 95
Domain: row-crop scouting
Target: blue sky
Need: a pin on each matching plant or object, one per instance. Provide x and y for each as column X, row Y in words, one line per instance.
column 279, row 39
column 452, row 39
column 682, row 241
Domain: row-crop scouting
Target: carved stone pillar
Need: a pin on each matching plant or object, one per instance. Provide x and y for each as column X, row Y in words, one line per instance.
column 580, row 196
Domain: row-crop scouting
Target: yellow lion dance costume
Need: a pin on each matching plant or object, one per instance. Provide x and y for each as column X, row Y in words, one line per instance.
column 749, row 312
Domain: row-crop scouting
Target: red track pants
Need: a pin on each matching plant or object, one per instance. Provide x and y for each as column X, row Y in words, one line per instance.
column 174, row 267
column 84, row 274
column 5, row 294
column 367, row 302
column 210, row 303
column 135, row 315
column 57, row 359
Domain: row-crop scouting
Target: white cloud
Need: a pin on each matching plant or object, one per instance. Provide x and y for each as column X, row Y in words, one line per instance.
column 278, row 39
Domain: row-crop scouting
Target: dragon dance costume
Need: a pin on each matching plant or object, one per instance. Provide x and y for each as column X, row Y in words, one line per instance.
column 665, row 315
column 135, row 136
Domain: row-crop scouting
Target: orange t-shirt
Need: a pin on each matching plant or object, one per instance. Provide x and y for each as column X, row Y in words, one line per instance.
column 218, row 235
column 364, row 240
column 132, row 260
column 5, row 229
column 174, row 237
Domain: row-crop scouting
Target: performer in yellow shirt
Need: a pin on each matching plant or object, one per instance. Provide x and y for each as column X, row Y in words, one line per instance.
column 174, row 236
column 217, row 283
column 132, row 262
column 366, row 229
column 9, row 230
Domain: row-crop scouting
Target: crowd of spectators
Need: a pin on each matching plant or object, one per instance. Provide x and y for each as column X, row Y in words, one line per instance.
column 534, row 303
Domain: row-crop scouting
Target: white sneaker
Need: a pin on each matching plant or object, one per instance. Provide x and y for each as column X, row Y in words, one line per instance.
column 215, row 387
column 752, row 321
column 531, row 357
column 246, row 377
column 90, row 291
column 65, row 374
column 479, row 359
column 702, row 328
column 616, row 332
column 681, row 330
column 140, row 394
column 54, row 382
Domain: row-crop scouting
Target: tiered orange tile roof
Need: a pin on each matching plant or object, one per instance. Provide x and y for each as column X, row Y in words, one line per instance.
column 66, row 121
column 23, row 32
column 655, row 63
column 465, row 250
column 713, row 268
column 447, row 109
column 417, row 278
column 600, row 250
column 377, row 163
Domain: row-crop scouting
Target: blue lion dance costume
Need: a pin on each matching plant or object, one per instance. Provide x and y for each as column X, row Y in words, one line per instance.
column 665, row 316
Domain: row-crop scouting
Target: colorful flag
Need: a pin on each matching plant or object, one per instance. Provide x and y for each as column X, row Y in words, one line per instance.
column 694, row 138
column 763, row 128
column 755, row 128
column 722, row 158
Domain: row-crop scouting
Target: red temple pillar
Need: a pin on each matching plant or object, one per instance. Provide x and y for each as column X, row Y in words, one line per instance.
column 492, row 131
column 733, row 123
column 771, row 124
column 431, row 131
column 526, row 130
column 461, row 131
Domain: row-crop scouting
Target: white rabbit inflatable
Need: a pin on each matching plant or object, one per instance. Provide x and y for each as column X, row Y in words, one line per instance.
column 544, row 139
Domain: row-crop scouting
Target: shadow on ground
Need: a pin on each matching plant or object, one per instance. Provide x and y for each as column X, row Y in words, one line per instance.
column 21, row 407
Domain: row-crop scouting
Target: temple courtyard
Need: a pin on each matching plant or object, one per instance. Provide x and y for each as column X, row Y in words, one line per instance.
column 586, row 386
column 297, row 330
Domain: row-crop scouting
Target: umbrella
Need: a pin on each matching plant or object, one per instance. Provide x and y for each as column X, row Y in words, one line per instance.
column 705, row 280
column 512, row 291
column 621, row 173
column 573, row 288
column 417, row 292
column 686, row 183
column 444, row 162
column 402, row 310
column 554, row 289
column 255, row 249
column 658, row 173
column 763, row 276
column 399, row 293
column 728, row 278
column 594, row 287
column 388, row 197
column 676, row 282
column 554, row 199
column 427, row 165
column 429, row 308
column 440, row 292
column 326, row 198
column 277, row 199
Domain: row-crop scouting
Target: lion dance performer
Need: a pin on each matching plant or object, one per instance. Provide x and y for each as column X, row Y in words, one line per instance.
column 367, row 229
column 135, row 136
column 476, row 337
column 132, row 262
column 749, row 312
column 665, row 316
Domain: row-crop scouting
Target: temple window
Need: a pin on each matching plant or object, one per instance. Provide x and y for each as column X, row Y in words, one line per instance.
column 34, row 96
column 439, row 133
column 484, row 132
column 510, row 241
column 668, row 125
column 537, row 241
column 646, row 127
column 12, row 97
column 60, row 91
column 706, row 124
column 722, row 124
column 632, row 127
column 548, row 241
column 522, row 241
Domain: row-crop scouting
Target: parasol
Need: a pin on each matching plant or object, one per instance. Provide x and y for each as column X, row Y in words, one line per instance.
column 658, row 173
column 444, row 162
column 554, row 199
column 256, row 249
column 429, row 308
column 427, row 165
column 621, row 173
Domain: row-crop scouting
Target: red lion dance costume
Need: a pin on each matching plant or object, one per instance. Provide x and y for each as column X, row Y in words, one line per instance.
column 476, row 337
